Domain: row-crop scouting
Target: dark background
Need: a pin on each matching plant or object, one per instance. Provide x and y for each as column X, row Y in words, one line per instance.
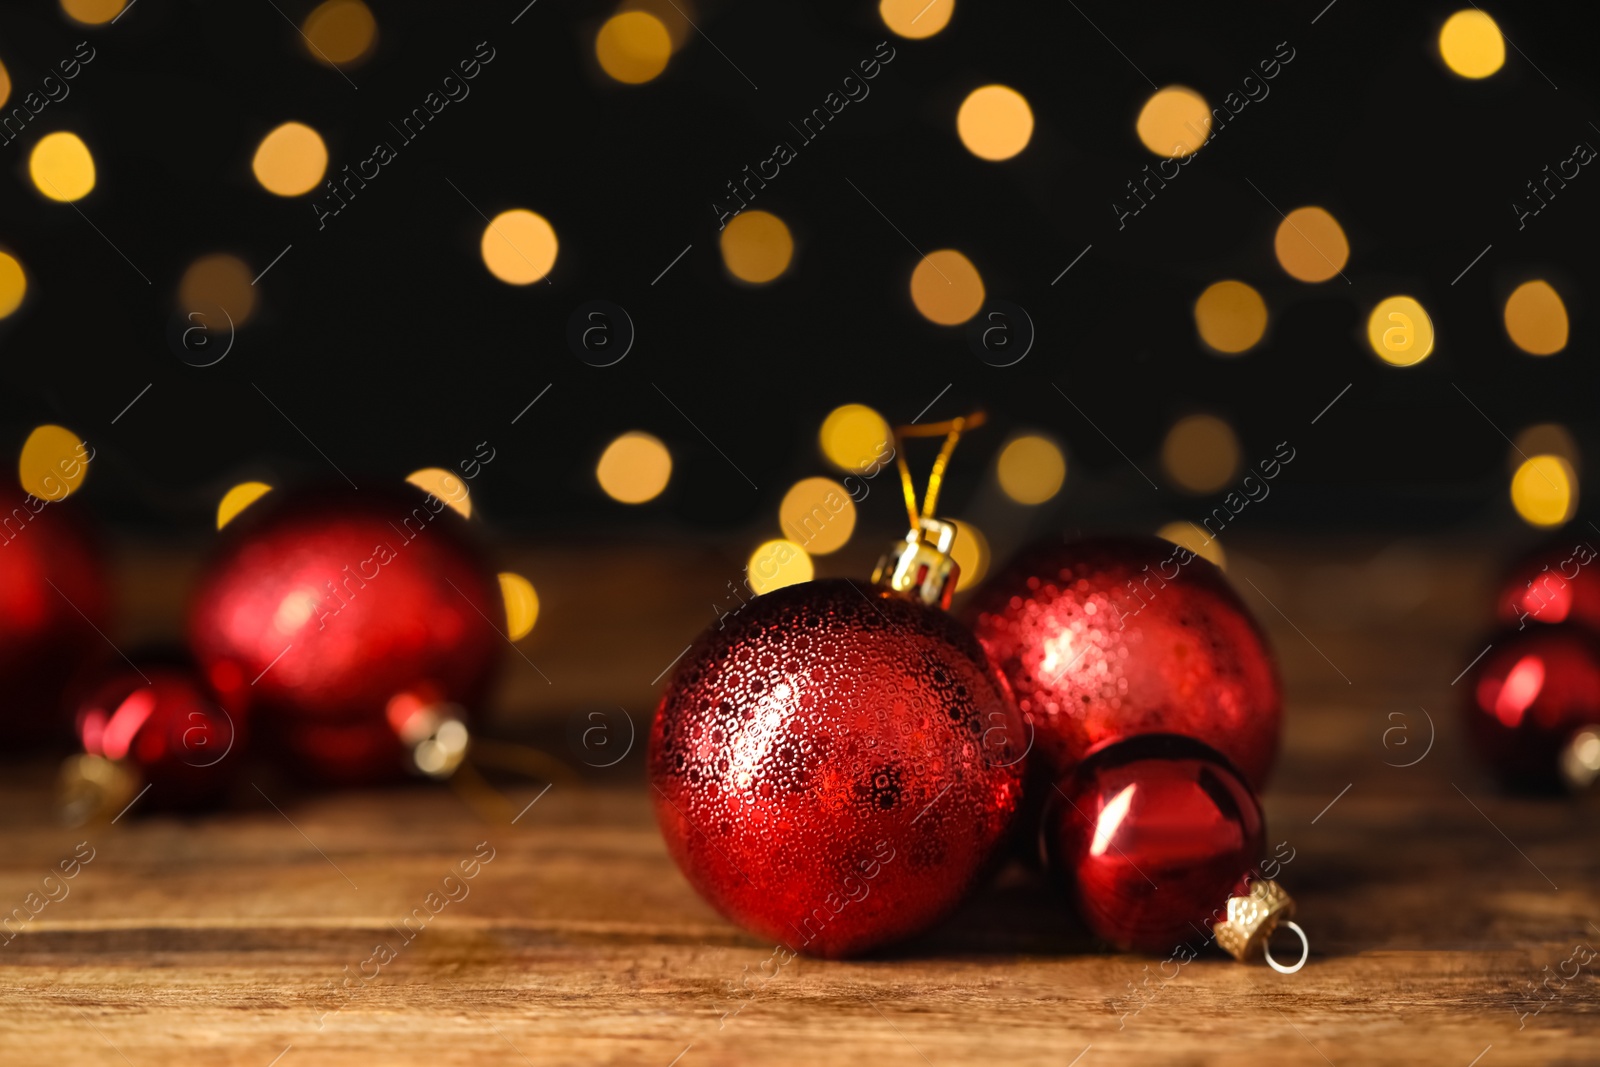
column 390, row 345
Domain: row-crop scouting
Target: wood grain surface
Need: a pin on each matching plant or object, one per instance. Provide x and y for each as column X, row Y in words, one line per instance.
column 1435, row 905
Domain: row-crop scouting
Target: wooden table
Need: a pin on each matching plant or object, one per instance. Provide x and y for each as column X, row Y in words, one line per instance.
column 248, row 937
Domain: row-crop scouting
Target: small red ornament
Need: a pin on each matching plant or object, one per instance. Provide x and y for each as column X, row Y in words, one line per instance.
column 836, row 764
column 52, row 597
column 1107, row 638
column 1155, row 838
column 1533, row 708
column 354, row 626
column 1557, row 583
column 156, row 725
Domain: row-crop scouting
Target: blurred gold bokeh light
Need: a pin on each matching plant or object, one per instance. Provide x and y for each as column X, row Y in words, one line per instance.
column 53, row 463
column 214, row 281
column 1200, row 454
column 916, row 19
column 93, row 12
column 1174, row 122
column 946, row 288
column 1231, row 317
column 675, row 15
column 775, row 564
column 634, row 468
column 1311, row 245
column 62, row 167
column 1536, row 318
column 1544, row 438
column 340, row 32
column 854, row 437
column 238, row 498
column 995, row 122
column 1196, row 540
column 818, row 515
column 633, row 47
column 519, row 246
column 970, row 550
column 522, row 604
column 291, row 160
column 1471, row 44
column 1400, row 331
column 1031, row 469
column 446, row 485
column 1544, row 490
column 756, row 247
column 13, row 284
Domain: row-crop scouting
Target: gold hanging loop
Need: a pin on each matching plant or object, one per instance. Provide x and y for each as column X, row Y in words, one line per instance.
column 920, row 568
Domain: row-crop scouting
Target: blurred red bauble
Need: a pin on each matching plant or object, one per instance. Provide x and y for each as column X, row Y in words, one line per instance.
column 834, row 766
column 1557, row 583
column 52, row 597
column 1533, row 708
column 1107, row 638
column 354, row 626
column 1152, row 836
column 153, row 724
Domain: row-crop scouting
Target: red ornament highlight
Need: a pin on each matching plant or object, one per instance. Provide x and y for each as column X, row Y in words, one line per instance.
column 1557, row 583
column 353, row 625
column 1151, row 837
column 835, row 767
column 1532, row 708
column 1109, row 638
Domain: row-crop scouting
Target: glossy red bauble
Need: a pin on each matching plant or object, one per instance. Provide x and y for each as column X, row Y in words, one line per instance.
column 337, row 617
column 1529, row 698
column 162, row 727
column 52, row 597
column 1151, row 836
column 834, row 767
column 1557, row 583
column 1108, row 638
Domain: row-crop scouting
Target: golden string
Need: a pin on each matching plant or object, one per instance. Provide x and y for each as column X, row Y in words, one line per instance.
column 487, row 802
column 952, row 430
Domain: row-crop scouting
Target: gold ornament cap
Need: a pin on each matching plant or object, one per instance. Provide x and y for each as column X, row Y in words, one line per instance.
column 94, row 788
column 920, row 568
column 1580, row 760
column 435, row 735
column 1251, row 920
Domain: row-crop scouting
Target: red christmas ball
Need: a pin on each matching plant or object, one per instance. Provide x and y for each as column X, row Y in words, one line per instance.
column 153, row 724
column 1107, row 638
column 1151, row 837
column 1533, row 708
column 350, row 624
column 834, row 767
column 52, row 597
column 1557, row 583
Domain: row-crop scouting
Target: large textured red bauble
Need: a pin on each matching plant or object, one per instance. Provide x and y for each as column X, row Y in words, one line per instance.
column 834, row 767
column 159, row 726
column 1152, row 836
column 52, row 597
column 1532, row 707
column 1557, row 583
column 1107, row 638
column 341, row 619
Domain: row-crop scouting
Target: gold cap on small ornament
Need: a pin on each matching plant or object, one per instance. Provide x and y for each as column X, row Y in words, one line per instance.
column 920, row 567
column 1580, row 760
column 433, row 732
column 94, row 788
column 1251, row 920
